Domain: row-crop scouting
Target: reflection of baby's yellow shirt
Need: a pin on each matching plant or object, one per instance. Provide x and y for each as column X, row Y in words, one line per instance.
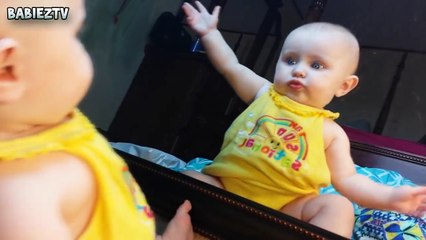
column 273, row 152
column 121, row 211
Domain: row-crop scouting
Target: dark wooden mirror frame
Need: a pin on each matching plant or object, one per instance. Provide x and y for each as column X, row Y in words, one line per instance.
column 218, row 214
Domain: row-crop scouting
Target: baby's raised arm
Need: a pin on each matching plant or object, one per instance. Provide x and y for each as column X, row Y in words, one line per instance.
column 244, row 81
column 362, row 190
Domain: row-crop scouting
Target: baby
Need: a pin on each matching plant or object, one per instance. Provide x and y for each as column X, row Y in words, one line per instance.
column 59, row 178
column 285, row 146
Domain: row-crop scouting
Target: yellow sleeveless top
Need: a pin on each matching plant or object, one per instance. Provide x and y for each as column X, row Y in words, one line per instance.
column 121, row 211
column 273, row 152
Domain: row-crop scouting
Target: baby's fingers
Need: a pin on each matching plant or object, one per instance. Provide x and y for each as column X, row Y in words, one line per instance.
column 201, row 7
column 420, row 212
column 188, row 9
column 216, row 11
column 420, row 209
column 420, row 191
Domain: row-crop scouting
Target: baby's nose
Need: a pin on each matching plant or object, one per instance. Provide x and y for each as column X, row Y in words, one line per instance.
column 298, row 72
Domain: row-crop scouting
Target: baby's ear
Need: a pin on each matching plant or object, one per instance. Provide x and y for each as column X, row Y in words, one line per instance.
column 10, row 87
column 350, row 83
column 7, row 45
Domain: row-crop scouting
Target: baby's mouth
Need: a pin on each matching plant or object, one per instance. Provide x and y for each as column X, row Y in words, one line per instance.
column 296, row 85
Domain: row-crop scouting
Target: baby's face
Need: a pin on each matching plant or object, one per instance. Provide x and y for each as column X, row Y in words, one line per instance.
column 312, row 67
column 48, row 60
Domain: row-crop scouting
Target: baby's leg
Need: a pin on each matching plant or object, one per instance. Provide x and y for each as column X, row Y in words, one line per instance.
column 180, row 227
column 334, row 213
column 204, row 178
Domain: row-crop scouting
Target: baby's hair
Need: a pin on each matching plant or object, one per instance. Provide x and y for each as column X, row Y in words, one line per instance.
column 331, row 27
column 325, row 26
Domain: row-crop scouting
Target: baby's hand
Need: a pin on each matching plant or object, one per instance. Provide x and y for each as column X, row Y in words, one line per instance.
column 409, row 200
column 200, row 20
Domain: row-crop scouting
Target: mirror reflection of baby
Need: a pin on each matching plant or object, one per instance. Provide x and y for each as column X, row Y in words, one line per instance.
column 285, row 146
column 59, row 178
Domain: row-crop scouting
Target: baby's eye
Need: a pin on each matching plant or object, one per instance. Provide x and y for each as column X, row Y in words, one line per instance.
column 291, row 61
column 317, row 65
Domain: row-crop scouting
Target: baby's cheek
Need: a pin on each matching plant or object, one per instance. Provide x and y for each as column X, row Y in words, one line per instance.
column 84, row 63
column 279, row 86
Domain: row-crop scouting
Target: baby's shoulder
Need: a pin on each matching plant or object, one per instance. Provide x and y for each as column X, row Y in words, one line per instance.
column 55, row 188
column 44, row 166
column 55, row 177
column 332, row 132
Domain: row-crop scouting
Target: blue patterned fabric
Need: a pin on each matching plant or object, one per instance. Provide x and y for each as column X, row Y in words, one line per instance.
column 376, row 224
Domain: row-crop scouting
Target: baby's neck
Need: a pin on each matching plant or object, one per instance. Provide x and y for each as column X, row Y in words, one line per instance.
column 14, row 131
column 19, row 132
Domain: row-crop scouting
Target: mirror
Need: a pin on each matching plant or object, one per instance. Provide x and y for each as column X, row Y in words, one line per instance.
column 178, row 103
